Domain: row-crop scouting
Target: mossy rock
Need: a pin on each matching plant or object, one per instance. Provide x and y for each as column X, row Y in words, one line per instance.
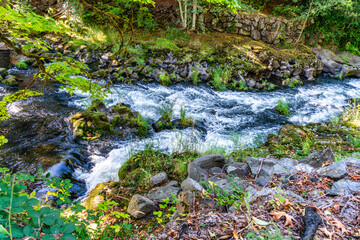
column 290, row 137
column 149, row 161
column 11, row 81
column 97, row 195
column 21, row 65
column 3, row 72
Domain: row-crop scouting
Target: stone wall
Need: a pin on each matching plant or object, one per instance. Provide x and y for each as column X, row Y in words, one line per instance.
column 273, row 30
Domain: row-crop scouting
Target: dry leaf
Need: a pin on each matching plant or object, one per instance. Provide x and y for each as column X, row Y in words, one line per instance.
column 326, row 232
column 288, row 219
column 339, row 225
column 236, row 236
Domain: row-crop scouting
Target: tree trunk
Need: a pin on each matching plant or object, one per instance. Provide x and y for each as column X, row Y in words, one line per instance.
column 194, row 16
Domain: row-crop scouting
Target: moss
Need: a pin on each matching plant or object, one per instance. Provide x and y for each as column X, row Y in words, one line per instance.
column 21, row 65
column 97, row 195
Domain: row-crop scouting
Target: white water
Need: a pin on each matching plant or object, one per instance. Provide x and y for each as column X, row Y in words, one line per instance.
column 228, row 117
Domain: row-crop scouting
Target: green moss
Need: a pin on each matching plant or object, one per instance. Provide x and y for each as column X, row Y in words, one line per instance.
column 21, row 65
column 97, row 195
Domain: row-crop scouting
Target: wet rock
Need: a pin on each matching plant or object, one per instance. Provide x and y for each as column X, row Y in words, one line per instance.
column 303, row 167
column 238, row 169
column 317, row 159
column 140, row 206
column 158, row 179
column 312, row 221
column 190, row 184
column 352, row 162
column 346, row 187
column 10, row 80
column 263, row 168
column 309, row 73
column 4, row 72
column 164, row 192
column 198, row 169
column 336, row 170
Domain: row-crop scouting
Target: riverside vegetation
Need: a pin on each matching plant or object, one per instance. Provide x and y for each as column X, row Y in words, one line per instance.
column 124, row 42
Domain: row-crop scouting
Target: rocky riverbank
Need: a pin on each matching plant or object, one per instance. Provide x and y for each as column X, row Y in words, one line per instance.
column 224, row 61
column 189, row 197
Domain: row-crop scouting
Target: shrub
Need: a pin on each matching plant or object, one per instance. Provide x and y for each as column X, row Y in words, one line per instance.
column 283, row 108
column 221, row 77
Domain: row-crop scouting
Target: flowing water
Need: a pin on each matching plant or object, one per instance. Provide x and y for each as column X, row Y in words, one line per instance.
column 41, row 136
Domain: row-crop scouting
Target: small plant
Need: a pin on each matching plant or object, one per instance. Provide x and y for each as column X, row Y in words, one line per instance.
column 142, row 125
column 283, row 108
column 166, row 211
column 185, row 121
column 166, row 110
column 164, row 80
column 21, row 65
column 221, row 77
column 354, row 141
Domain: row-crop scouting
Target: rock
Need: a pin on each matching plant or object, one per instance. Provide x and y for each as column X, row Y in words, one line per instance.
column 4, row 72
column 190, row 184
column 162, row 124
column 158, row 179
column 215, row 171
column 268, row 191
column 238, row 169
column 284, row 165
column 198, row 169
column 312, row 221
column 336, row 170
column 309, row 73
column 264, row 173
column 255, row 34
column 10, row 80
column 164, row 192
column 346, row 187
column 303, row 167
column 96, row 197
column 352, row 162
column 140, row 206
column 317, row 159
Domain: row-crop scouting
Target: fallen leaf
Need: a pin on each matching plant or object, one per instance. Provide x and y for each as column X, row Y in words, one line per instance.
column 236, row 236
column 260, row 222
column 288, row 219
column 326, row 232
column 339, row 225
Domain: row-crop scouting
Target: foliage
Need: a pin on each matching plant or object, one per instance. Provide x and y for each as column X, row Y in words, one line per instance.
column 351, row 115
column 166, row 210
column 283, row 107
column 221, row 76
column 185, row 121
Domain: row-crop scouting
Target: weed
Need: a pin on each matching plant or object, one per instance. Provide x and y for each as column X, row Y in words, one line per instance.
column 283, row 108
column 221, row 77
column 185, row 121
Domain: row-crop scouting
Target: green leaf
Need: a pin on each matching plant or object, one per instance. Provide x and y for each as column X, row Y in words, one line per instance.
column 28, row 230
column 48, row 220
column 68, row 228
column 55, row 229
column 3, row 230
column 16, row 232
column 34, row 214
column 260, row 222
column 48, row 237
column 68, row 237
column 32, row 202
column 44, row 210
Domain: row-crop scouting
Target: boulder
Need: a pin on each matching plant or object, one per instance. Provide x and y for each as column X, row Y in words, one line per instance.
column 284, row 165
column 4, row 72
column 10, row 80
column 303, row 167
column 352, row 162
column 345, row 187
column 336, row 170
column 199, row 168
column 190, row 184
column 263, row 168
column 158, row 179
column 164, row 192
column 238, row 169
column 140, row 206
column 317, row 159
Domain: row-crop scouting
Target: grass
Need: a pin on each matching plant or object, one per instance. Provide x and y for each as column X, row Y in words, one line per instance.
column 351, row 114
column 221, row 77
column 166, row 110
column 283, row 107
column 185, row 121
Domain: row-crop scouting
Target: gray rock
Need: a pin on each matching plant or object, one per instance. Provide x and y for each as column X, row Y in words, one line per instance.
column 198, row 169
column 303, row 167
column 346, row 187
column 158, row 179
column 191, row 185
column 317, row 159
column 255, row 34
column 352, row 162
column 215, row 171
column 284, row 165
column 264, row 173
column 309, row 73
column 164, row 192
column 140, row 206
column 336, row 170
column 10, row 80
column 238, row 169
column 268, row 191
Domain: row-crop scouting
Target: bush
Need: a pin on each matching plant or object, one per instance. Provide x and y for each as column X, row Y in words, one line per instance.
column 283, row 108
